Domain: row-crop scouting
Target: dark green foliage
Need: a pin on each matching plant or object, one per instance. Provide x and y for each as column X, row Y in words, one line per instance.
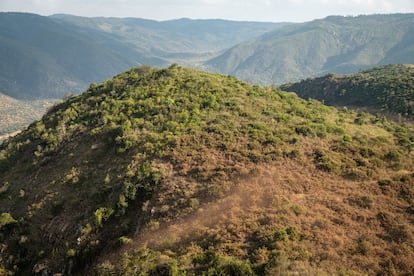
column 386, row 89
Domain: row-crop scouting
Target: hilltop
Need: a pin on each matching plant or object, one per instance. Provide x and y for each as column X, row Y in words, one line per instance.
column 176, row 171
column 335, row 44
column 386, row 89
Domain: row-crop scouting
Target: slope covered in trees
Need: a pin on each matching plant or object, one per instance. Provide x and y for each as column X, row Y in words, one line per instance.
column 335, row 44
column 387, row 89
column 175, row 171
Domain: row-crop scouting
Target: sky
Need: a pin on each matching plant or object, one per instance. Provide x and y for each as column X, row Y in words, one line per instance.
column 242, row 10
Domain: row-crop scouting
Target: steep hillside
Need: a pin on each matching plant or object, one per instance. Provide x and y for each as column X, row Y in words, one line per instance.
column 332, row 45
column 387, row 89
column 46, row 57
column 15, row 114
column 174, row 171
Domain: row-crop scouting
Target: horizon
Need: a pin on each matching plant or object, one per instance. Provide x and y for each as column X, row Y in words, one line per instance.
column 206, row 19
column 257, row 11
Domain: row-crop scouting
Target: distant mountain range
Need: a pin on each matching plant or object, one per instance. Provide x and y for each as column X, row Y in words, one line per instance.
column 46, row 57
column 335, row 44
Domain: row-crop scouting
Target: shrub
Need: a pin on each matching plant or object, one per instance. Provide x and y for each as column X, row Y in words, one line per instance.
column 6, row 220
column 361, row 201
column 324, row 162
column 102, row 214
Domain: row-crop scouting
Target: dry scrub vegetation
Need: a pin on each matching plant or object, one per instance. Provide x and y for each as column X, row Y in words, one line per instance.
column 180, row 172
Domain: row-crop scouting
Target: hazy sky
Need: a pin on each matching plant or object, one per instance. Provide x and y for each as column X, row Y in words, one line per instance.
column 253, row 10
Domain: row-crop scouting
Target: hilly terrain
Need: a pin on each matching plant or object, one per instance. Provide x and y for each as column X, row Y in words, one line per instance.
column 175, row 40
column 387, row 89
column 180, row 172
column 334, row 44
column 17, row 114
column 42, row 58
column 47, row 57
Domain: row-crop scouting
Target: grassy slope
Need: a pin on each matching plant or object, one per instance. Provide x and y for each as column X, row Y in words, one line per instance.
column 190, row 172
column 388, row 89
column 332, row 45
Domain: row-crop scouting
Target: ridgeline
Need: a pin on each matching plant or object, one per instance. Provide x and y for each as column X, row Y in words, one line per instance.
column 386, row 89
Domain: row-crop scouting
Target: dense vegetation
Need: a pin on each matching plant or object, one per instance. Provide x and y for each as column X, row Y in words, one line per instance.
column 174, row 172
column 387, row 89
column 335, row 44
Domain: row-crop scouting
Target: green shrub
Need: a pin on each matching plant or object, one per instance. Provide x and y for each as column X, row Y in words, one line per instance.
column 324, row 162
column 102, row 214
column 6, row 220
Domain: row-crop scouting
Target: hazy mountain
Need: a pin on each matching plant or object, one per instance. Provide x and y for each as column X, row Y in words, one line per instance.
column 179, row 172
column 17, row 114
column 387, row 89
column 50, row 56
column 332, row 45
column 175, row 38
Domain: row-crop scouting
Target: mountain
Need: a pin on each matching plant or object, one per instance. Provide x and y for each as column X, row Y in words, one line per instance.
column 386, row 89
column 46, row 57
column 175, row 171
column 335, row 44
column 17, row 114
column 42, row 58
column 178, row 38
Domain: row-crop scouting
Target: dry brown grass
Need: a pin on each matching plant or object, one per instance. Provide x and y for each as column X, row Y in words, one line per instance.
column 337, row 219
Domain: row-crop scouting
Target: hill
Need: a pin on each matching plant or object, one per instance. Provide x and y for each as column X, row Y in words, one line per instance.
column 175, row 171
column 46, row 57
column 332, row 45
column 17, row 114
column 386, row 89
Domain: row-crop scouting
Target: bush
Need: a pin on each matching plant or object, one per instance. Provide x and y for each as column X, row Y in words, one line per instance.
column 102, row 214
column 6, row 220
column 231, row 267
column 324, row 162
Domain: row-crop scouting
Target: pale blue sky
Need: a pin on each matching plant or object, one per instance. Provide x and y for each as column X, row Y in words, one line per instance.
column 252, row 10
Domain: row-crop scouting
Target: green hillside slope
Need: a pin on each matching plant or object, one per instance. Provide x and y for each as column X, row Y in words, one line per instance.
column 332, row 45
column 387, row 89
column 180, row 172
